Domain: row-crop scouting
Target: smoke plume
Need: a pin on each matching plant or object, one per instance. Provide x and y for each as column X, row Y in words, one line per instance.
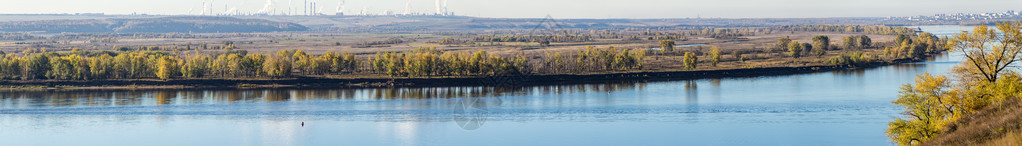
column 268, row 8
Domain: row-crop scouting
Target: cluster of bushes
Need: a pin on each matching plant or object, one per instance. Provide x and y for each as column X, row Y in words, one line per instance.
column 857, row 42
column 796, row 49
column 925, row 43
column 852, row 58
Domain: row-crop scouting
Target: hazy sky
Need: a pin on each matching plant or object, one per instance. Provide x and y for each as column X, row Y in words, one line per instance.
column 540, row 8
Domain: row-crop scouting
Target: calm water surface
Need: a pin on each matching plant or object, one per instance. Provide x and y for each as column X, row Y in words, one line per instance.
column 832, row 108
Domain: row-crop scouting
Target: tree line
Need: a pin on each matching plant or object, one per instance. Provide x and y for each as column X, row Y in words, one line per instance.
column 14, row 36
column 420, row 62
column 429, row 62
column 537, row 38
column 384, row 43
column 164, row 65
column 868, row 29
column 592, row 59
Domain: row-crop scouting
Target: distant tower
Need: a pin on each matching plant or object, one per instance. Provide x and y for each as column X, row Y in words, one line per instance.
column 203, row 10
column 211, row 7
column 365, row 11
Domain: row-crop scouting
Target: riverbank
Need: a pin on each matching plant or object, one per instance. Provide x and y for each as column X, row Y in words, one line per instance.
column 499, row 81
column 995, row 125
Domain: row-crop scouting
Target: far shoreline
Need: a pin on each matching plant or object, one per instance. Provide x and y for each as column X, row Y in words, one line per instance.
column 363, row 83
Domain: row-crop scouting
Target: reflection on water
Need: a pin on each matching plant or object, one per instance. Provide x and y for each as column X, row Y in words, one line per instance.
column 97, row 98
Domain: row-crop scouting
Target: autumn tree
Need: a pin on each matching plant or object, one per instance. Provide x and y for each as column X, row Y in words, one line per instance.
column 36, row 66
column 277, row 66
column 795, row 49
column 929, row 107
column 821, row 42
column 235, row 65
column 252, row 64
column 783, row 43
column 302, row 61
column 864, row 42
column 667, row 45
column 168, row 68
column 714, row 56
column 195, row 66
column 738, row 55
column 990, row 52
column 80, row 69
column 850, row 42
column 901, row 38
column 101, row 67
column 10, row 66
column 690, row 60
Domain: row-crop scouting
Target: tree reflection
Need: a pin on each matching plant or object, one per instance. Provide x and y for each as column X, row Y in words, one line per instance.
column 107, row 98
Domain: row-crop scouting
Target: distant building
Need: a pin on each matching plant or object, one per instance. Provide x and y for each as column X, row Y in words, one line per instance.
column 90, row 14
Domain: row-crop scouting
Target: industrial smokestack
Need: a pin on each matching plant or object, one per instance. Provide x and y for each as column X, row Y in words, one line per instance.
column 203, row 10
column 211, row 7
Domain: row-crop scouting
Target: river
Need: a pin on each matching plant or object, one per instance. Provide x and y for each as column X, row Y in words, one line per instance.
column 850, row 107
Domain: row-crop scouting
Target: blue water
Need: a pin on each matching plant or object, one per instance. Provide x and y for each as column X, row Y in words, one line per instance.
column 850, row 107
column 690, row 45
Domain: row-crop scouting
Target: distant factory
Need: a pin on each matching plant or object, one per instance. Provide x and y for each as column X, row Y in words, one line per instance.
column 314, row 8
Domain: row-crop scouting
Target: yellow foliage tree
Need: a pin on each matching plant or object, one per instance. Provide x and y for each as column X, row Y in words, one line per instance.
column 714, row 56
column 989, row 51
column 168, row 68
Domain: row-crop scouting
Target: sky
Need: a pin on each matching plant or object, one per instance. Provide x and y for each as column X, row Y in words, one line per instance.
column 538, row 8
